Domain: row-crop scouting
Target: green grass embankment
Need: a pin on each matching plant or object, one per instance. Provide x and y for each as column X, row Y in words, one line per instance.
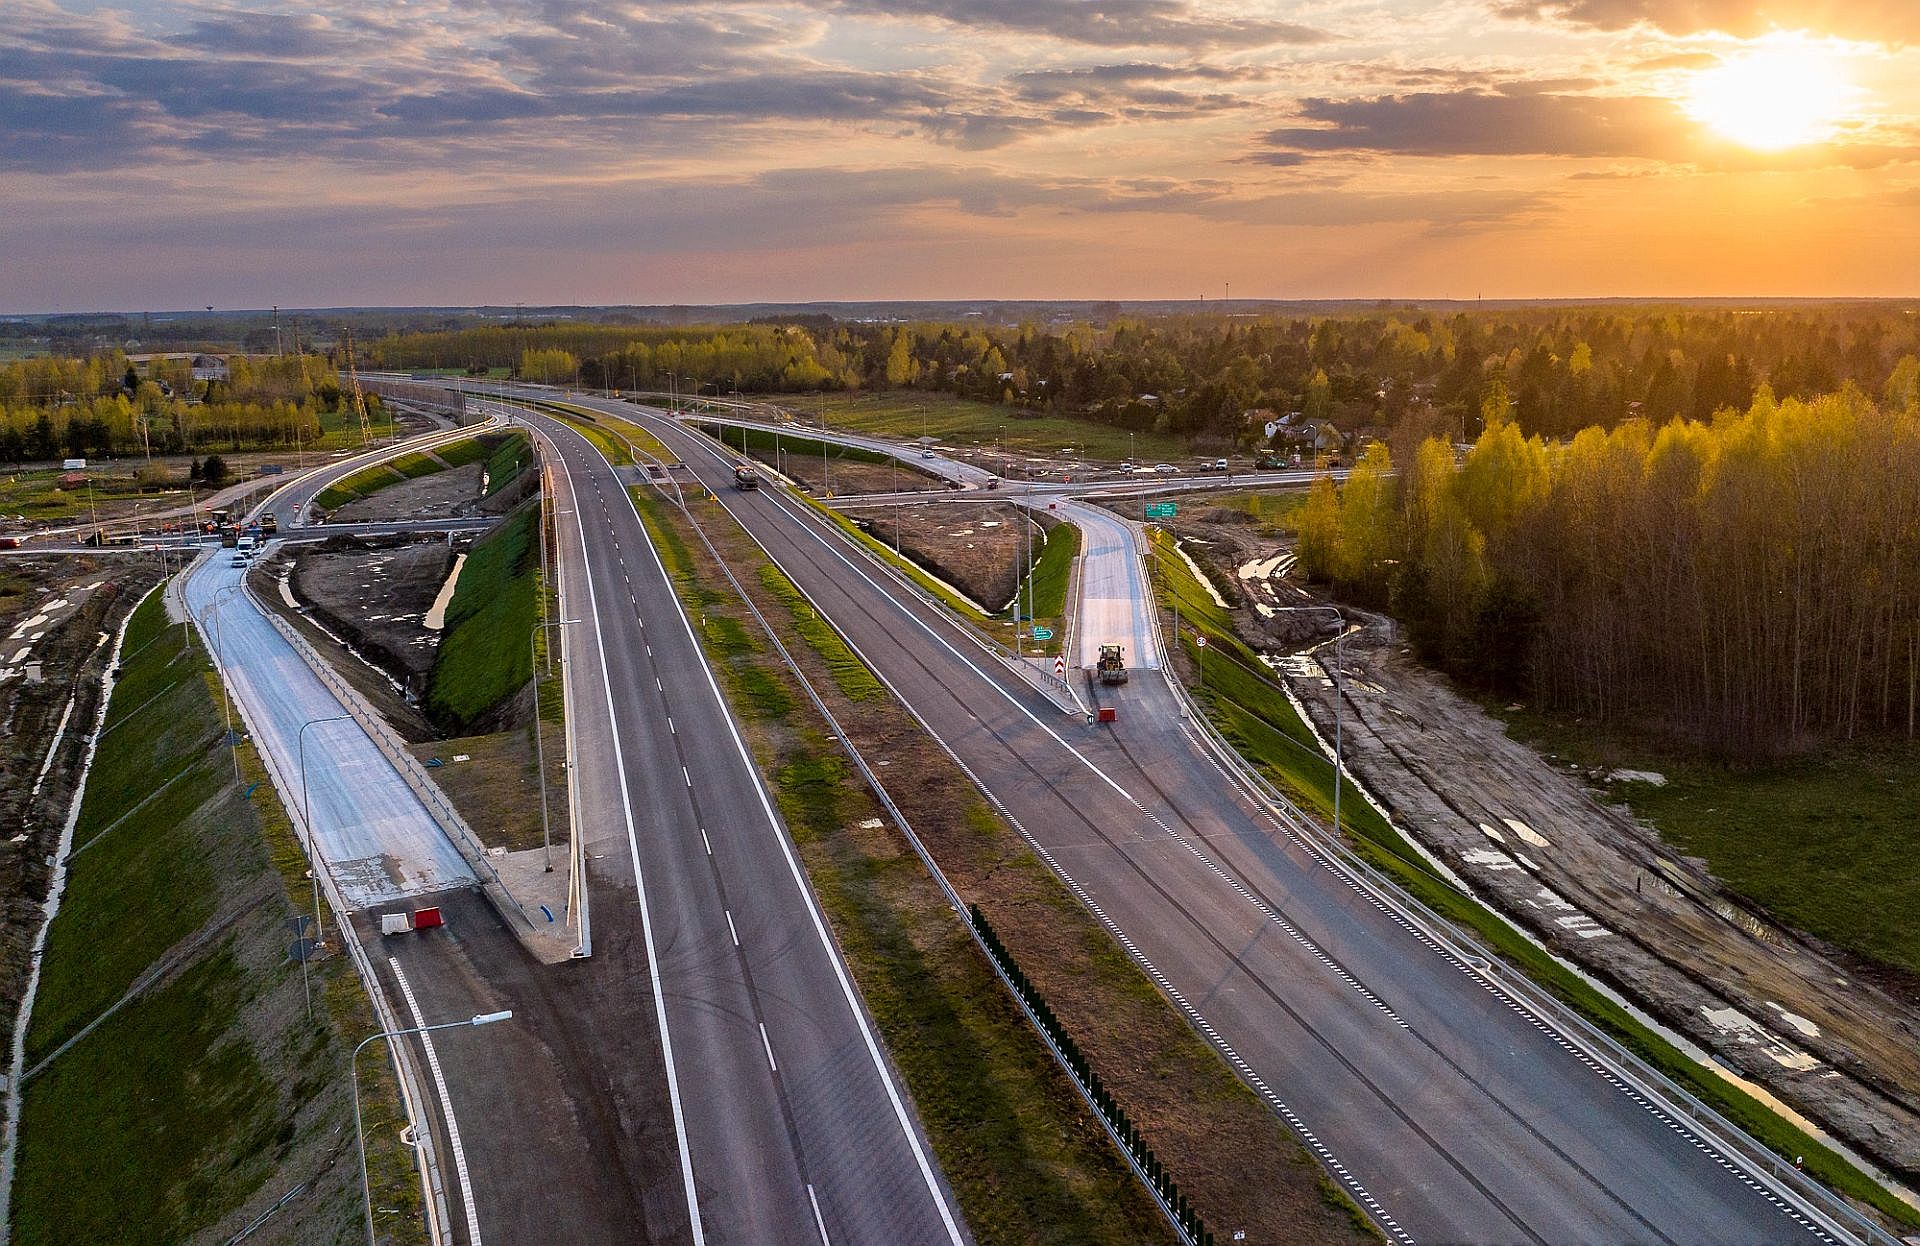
column 510, row 457
column 484, row 656
column 196, row 1090
column 1248, row 706
column 371, row 480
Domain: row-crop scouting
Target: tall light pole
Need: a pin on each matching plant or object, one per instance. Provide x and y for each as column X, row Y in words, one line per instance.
column 306, row 816
column 353, row 1075
column 1338, row 694
column 539, row 743
column 219, row 648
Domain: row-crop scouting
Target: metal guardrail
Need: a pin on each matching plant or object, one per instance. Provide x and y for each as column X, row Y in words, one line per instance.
column 411, row 772
column 1521, row 991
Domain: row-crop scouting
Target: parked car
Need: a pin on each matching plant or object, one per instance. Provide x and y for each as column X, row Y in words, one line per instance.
column 1219, row 465
column 1166, row 469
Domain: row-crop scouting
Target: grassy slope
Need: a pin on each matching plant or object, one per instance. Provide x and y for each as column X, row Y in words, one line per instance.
column 512, row 456
column 959, row 421
column 1051, row 572
column 1250, row 710
column 210, row 1088
column 483, row 657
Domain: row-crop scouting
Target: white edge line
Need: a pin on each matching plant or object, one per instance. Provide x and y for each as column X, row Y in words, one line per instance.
column 646, row 917
column 446, row 1105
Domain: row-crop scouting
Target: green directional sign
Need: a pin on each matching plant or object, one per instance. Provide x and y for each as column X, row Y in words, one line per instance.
column 1043, row 633
column 1162, row 510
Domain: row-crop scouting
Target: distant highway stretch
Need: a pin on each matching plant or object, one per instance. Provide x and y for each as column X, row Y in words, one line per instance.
column 1448, row 1109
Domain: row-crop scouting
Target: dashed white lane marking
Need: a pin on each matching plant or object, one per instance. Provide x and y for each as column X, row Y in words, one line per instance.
column 656, row 680
column 706, row 841
column 446, row 1104
column 671, row 729
column 819, row 1221
column 686, row 776
column 768, row 1044
column 1699, row 1141
column 731, row 930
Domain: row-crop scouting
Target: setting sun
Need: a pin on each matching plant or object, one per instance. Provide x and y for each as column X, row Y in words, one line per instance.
column 1773, row 96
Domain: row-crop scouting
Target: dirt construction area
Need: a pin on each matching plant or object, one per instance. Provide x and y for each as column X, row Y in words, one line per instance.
column 378, row 594
column 975, row 546
column 57, row 616
column 1534, row 838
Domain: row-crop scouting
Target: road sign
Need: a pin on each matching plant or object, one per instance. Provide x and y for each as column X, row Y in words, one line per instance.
column 1200, row 642
column 1060, row 668
column 1043, row 633
column 1162, row 510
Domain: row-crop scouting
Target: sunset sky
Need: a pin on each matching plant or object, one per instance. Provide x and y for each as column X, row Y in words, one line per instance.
column 166, row 155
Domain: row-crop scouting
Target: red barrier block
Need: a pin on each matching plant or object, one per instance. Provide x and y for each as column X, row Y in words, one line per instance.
column 427, row 919
column 1108, row 714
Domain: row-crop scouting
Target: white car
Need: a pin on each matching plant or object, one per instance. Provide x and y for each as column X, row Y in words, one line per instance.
column 1166, row 469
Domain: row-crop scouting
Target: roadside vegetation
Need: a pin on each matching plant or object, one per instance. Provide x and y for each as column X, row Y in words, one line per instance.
column 1249, row 707
column 166, row 984
column 483, row 659
column 1027, row 1161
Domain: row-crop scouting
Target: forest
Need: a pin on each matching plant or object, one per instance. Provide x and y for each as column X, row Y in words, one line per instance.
column 1214, row 379
column 1749, row 582
column 103, row 405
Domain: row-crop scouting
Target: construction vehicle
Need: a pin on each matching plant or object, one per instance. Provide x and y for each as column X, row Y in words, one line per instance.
column 1112, row 669
column 269, row 523
column 745, row 477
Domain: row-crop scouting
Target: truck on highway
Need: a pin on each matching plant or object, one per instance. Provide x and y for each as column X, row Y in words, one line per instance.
column 745, row 477
column 1112, row 668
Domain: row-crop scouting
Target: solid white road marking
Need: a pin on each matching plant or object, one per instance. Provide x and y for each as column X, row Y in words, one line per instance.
column 819, row 1221
column 730, row 928
column 446, row 1105
column 706, row 841
column 768, row 1044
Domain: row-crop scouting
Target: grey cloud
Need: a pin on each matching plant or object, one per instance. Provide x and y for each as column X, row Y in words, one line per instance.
column 1887, row 20
column 1100, row 23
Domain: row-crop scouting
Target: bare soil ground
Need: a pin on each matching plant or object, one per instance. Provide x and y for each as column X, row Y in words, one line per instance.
column 375, row 594
column 446, row 494
column 53, row 613
column 973, row 546
column 1597, row 886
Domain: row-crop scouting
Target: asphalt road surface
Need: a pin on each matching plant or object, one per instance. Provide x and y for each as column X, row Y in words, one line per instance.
column 379, row 842
column 1449, row 1111
column 792, row 1125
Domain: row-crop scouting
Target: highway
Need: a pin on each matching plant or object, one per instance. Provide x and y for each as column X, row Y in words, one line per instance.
column 1448, row 1110
column 791, row 1125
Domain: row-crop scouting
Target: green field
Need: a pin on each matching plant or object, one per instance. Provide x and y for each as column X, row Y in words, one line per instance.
column 484, row 655
column 195, row 1084
column 960, row 422
column 1275, row 514
column 1248, row 707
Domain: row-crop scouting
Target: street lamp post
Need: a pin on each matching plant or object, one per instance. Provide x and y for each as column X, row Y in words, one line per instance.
column 306, row 816
column 219, row 647
column 353, row 1075
column 539, row 742
column 1339, row 694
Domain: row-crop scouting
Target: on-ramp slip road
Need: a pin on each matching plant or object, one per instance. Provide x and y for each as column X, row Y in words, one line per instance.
column 791, row 1124
column 1447, row 1108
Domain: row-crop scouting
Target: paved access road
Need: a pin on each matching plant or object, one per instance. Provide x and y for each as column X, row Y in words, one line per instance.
column 1448, row 1111
column 791, row 1125
column 378, row 840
